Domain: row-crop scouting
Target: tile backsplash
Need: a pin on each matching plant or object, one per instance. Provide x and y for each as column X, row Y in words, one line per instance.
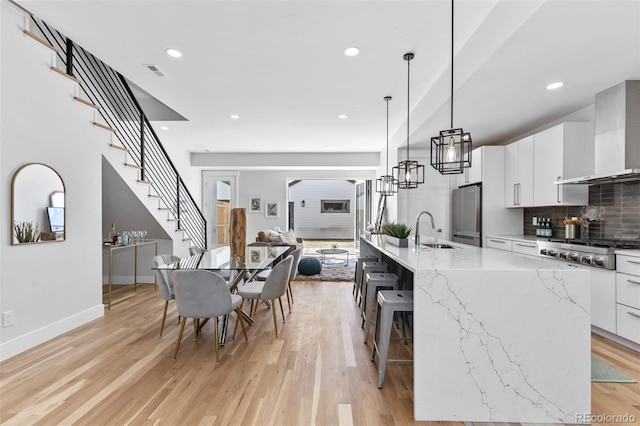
column 618, row 213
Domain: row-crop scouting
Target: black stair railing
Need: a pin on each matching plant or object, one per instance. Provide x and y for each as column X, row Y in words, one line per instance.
column 120, row 110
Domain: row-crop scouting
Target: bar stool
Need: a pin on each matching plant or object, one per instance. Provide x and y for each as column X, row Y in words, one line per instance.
column 389, row 302
column 374, row 282
column 357, row 282
column 368, row 267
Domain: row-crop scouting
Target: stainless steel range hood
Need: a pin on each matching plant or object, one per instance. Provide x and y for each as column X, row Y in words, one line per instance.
column 617, row 136
column 622, row 176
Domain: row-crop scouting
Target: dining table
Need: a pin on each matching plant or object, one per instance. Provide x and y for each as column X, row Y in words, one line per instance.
column 234, row 269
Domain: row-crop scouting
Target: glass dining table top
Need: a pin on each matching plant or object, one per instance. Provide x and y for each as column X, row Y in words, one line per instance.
column 219, row 259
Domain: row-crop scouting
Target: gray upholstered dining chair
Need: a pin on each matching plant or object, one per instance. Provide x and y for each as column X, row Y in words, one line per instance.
column 204, row 294
column 273, row 288
column 165, row 284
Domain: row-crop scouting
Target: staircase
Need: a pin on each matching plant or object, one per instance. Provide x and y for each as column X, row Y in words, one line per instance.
column 132, row 147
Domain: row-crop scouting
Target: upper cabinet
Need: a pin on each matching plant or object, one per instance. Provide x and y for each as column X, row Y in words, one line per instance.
column 561, row 152
column 518, row 173
column 472, row 174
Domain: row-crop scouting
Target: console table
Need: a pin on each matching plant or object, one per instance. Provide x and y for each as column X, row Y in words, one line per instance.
column 135, row 282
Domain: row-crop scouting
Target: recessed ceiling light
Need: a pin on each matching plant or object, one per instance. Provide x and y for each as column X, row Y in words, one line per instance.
column 234, row 116
column 174, row 53
column 343, row 116
column 556, row 85
column 164, row 127
column 351, row 51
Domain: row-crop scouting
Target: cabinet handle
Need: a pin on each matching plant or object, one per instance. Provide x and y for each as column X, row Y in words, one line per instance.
column 633, row 261
column 498, row 241
column 528, row 245
column 633, row 282
column 519, row 194
column 515, row 203
column 558, row 189
column 633, row 314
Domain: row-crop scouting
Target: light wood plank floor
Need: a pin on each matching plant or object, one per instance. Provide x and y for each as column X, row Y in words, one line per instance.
column 118, row 371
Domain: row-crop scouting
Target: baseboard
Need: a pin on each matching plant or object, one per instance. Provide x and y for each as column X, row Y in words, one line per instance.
column 615, row 338
column 22, row 343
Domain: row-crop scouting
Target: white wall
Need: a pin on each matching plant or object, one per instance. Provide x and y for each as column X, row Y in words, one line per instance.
column 53, row 286
column 272, row 186
column 309, row 221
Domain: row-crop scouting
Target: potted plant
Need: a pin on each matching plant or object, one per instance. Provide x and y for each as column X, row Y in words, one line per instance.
column 396, row 233
column 27, row 232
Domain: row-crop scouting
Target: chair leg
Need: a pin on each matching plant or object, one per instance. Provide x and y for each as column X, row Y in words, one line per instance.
column 290, row 291
column 175, row 354
column 275, row 324
column 288, row 299
column 241, row 321
column 215, row 333
column 164, row 316
column 281, row 309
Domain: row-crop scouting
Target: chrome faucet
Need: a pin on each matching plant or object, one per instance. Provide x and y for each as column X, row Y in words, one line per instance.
column 433, row 226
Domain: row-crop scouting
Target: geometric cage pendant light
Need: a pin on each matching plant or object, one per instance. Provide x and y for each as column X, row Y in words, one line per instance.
column 451, row 149
column 408, row 173
column 387, row 185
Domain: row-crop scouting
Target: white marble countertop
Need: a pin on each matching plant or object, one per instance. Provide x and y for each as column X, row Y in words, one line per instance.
column 462, row 257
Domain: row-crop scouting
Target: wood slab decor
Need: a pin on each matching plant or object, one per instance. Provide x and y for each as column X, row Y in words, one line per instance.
column 238, row 231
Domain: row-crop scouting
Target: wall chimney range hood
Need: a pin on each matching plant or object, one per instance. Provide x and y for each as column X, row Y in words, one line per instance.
column 617, row 136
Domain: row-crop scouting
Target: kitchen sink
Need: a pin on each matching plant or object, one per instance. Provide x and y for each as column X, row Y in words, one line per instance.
column 438, row 246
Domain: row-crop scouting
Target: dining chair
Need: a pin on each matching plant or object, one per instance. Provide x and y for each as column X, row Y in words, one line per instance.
column 165, row 283
column 296, row 254
column 273, row 288
column 204, row 294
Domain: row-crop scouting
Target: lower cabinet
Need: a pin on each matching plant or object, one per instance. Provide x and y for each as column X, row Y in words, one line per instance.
column 498, row 243
column 628, row 297
column 521, row 247
column 603, row 299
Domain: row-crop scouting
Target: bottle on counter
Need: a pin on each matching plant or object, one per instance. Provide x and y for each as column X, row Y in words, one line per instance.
column 550, row 228
column 113, row 234
column 539, row 227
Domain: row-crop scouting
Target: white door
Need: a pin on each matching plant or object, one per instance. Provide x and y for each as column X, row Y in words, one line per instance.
column 218, row 197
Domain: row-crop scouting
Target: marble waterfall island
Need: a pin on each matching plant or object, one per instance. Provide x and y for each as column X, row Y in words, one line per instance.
column 498, row 337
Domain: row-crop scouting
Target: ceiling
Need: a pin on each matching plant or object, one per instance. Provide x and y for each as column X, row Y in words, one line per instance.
column 280, row 65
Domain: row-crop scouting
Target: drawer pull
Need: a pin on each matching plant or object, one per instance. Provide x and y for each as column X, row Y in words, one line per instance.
column 526, row 245
column 633, row 314
column 633, row 261
column 497, row 241
column 633, row 282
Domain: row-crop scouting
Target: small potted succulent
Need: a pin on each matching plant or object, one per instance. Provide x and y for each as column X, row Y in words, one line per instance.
column 396, row 233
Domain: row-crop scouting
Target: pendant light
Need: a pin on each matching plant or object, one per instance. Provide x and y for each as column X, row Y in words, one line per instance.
column 451, row 149
column 387, row 185
column 408, row 173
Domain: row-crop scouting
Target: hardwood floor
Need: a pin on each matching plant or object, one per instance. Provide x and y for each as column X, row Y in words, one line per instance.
column 117, row 371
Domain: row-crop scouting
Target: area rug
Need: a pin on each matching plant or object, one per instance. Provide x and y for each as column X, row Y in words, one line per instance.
column 601, row 372
column 338, row 271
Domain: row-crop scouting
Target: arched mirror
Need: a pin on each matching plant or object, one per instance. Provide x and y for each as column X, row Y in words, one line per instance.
column 37, row 205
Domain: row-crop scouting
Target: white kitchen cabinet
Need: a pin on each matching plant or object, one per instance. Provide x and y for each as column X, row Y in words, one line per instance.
column 561, row 152
column 628, row 297
column 472, row 174
column 603, row 299
column 518, row 173
column 528, row 248
column 498, row 243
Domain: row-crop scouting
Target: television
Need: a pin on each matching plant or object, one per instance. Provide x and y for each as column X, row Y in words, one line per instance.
column 56, row 218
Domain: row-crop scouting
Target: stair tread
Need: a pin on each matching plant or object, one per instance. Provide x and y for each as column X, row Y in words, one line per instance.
column 120, row 147
column 145, row 182
column 64, row 74
column 103, row 126
column 40, row 40
column 85, row 102
column 133, row 166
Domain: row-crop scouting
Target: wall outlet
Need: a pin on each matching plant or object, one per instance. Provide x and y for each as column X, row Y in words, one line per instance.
column 534, row 221
column 9, row 318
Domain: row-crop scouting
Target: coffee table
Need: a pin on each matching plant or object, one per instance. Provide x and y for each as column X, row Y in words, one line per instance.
column 332, row 251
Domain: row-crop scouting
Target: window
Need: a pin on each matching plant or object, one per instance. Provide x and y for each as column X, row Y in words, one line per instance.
column 335, row 206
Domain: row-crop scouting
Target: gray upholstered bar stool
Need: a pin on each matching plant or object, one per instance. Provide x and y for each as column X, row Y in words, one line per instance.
column 368, row 267
column 389, row 302
column 357, row 283
column 376, row 281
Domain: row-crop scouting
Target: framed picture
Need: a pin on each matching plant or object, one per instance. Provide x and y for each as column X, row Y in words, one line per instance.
column 255, row 256
column 271, row 209
column 255, row 204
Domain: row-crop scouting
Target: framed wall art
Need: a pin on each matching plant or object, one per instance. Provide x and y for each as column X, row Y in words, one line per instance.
column 271, row 209
column 255, row 204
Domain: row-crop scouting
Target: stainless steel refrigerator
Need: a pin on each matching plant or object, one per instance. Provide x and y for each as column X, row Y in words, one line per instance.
column 466, row 215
